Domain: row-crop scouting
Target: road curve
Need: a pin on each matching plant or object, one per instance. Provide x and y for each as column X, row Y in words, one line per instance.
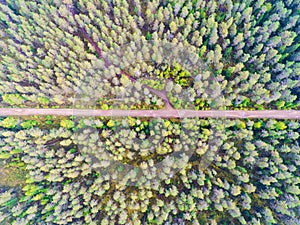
column 234, row 114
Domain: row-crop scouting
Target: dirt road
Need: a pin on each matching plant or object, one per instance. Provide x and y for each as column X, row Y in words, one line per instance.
column 276, row 114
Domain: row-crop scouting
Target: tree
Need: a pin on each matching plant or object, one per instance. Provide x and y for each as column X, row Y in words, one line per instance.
column 173, row 27
column 13, row 99
column 213, row 36
column 280, row 125
column 9, row 122
column 67, row 124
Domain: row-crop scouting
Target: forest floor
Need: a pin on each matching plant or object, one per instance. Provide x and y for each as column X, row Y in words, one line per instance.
column 164, row 113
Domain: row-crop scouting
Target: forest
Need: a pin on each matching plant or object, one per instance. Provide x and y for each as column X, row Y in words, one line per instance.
column 173, row 55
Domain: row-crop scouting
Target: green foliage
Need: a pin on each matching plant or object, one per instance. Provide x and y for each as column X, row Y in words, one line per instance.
column 280, row 104
column 28, row 124
column 4, row 155
column 148, row 36
column 67, row 124
column 257, row 125
column 43, row 100
column 104, row 107
column 202, row 51
column 13, row 99
column 280, row 125
column 176, row 73
column 9, row 122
